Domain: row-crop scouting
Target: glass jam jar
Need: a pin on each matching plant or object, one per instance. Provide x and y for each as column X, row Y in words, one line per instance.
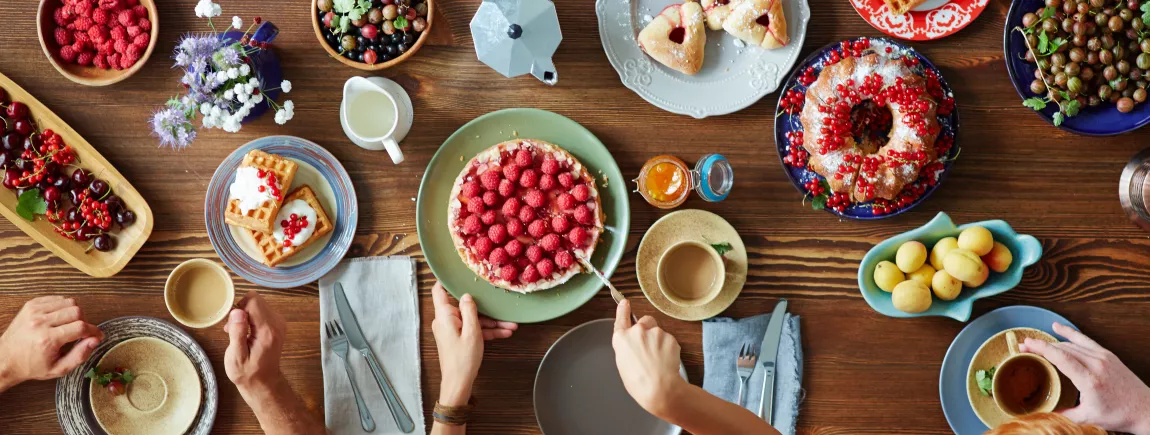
column 665, row 181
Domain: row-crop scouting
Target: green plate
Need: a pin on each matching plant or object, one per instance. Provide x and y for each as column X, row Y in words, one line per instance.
column 480, row 134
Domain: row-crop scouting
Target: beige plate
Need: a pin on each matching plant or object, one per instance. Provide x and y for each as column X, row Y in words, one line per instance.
column 992, row 352
column 698, row 225
column 128, row 240
column 89, row 75
column 306, row 174
column 164, row 398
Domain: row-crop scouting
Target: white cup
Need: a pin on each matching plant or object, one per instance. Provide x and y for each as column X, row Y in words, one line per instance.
column 372, row 116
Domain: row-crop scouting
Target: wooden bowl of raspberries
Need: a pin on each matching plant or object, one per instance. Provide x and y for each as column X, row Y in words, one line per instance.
column 97, row 42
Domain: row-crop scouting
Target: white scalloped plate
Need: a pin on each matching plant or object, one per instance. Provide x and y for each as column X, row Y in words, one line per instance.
column 734, row 76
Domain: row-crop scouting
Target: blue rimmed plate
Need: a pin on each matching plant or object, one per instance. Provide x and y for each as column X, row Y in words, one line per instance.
column 317, row 168
column 786, row 123
column 1104, row 120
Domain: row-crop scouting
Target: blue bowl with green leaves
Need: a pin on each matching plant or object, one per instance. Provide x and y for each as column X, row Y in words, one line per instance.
column 1025, row 249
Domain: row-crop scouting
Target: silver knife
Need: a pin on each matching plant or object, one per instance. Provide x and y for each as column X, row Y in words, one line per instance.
column 357, row 340
column 615, row 293
column 769, row 354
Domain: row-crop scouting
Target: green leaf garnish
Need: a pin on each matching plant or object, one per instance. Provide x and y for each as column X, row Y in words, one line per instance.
column 1145, row 8
column 985, row 381
column 1046, row 13
column 819, row 202
column 343, row 6
column 31, row 204
column 400, row 22
column 106, row 378
column 1043, row 42
column 1058, row 118
column 1072, row 108
column 721, row 248
column 1035, row 103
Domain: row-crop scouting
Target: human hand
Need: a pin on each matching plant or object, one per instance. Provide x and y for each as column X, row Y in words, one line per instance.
column 257, row 332
column 648, row 359
column 459, row 336
column 1113, row 397
column 31, row 347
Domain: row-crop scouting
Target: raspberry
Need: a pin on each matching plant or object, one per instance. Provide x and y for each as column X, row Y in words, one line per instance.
column 471, row 225
column 68, row 54
column 81, row 45
column 577, row 236
column 529, row 274
column 131, row 3
column 474, row 206
column 508, row 273
column 83, row 8
column 62, row 18
column 101, row 17
column 514, row 227
column 133, row 31
column 122, row 46
column 511, row 172
column 550, row 166
column 546, row 267
column 101, row 61
column 127, row 61
column 566, row 180
column 489, row 179
column 526, row 213
column 547, row 182
column 490, row 198
column 529, row 179
column 97, row 34
column 497, row 233
column 141, row 40
column 566, row 201
column 549, row 242
column 506, row 188
column 469, row 189
column 564, row 259
column 511, row 207
column 482, row 247
column 108, row 47
column 134, row 51
column 85, row 58
column 145, row 24
column 498, row 257
column 111, row 4
column 140, row 11
column 523, row 158
column 560, row 224
column 83, row 24
column 514, row 248
column 534, row 253
column 488, row 217
column 538, row 229
column 63, row 37
column 126, row 19
column 114, row 62
column 534, row 198
column 583, row 215
column 581, row 192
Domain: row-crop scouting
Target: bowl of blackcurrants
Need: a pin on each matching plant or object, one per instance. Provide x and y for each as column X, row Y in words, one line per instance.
column 372, row 35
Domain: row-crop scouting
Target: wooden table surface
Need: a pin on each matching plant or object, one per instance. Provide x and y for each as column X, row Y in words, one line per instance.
column 864, row 372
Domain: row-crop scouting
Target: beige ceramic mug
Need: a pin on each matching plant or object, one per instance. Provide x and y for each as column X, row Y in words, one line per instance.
column 199, row 293
column 1025, row 383
column 691, row 273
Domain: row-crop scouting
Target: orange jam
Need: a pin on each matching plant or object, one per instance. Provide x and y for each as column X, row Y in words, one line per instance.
column 664, row 181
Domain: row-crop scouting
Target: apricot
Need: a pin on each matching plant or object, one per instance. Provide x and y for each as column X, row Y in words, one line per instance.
column 938, row 252
column 924, row 274
column 977, row 240
column 999, row 258
column 887, row 276
column 978, row 280
column 910, row 256
column 911, row 297
column 964, row 265
column 946, row 287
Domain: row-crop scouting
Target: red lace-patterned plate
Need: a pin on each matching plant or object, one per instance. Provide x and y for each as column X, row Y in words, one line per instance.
column 931, row 20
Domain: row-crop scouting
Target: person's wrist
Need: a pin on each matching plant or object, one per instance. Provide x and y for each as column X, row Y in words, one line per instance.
column 664, row 398
column 257, row 388
column 454, row 392
column 8, row 378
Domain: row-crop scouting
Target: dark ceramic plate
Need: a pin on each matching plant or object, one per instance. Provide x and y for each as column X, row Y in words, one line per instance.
column 1104, row 120
column 785, row 123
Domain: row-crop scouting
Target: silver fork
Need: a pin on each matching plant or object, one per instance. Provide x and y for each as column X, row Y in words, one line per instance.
column 745, row 365
column 339, row 347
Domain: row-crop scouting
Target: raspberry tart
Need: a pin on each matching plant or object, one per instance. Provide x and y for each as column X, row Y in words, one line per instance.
column 522, row 213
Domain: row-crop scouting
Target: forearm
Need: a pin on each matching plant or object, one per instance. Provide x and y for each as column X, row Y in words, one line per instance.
column 280, row 411
column 452, row 394
column 701, row 413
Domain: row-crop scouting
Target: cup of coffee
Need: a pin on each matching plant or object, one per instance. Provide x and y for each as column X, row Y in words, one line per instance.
column 1025, row 383
column 199, row 293
column 691, row 273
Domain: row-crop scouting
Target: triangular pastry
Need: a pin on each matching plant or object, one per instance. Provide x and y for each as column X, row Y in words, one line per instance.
column 717, row 11
column 676, row 37
column 899, row 7
column 758, row 22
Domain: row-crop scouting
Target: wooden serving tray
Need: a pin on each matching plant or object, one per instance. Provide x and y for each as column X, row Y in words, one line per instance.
column 128, row 241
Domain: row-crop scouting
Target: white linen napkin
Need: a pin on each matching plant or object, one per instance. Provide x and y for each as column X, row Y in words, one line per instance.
column 383, row 294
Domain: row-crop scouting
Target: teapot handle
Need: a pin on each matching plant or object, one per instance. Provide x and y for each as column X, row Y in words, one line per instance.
column 266, row 32
column 544, row 70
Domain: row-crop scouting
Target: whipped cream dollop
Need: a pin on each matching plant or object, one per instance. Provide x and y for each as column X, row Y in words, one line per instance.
column 246, row 189
column 301, row 209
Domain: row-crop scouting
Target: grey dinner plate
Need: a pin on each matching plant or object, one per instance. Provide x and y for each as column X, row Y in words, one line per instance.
column 578, row 390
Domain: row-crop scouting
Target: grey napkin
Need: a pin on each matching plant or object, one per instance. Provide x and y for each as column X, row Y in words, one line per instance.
column 383, row 295
column 722, row 338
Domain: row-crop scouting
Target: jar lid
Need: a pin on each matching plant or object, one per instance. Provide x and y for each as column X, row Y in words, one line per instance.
column 714, row 177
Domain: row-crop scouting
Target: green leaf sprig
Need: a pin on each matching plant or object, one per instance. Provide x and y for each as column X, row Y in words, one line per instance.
column 30, row 204
column 104, row 378
column 1067, row 107
column 1145, row 8
column 722, row 248
column 1045, row 48
column 985, row 381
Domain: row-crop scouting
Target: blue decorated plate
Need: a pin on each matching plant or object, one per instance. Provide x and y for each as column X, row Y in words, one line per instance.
column 786, row 123
column 1104, row 120
column 952, row 379
column 317, row 168
column 1025, row 249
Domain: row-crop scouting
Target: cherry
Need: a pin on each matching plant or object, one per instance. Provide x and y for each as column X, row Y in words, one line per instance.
column 99, row 188
column 23, row 126
column 72, row 214
column 12, row 142
column 51, row 194
column 125, row 217
column 11, row 178
column 103, row 243
column 76, row 195
column 62, row 183
column 81, row 178
column 114, row 202
column 17, row 110
column 4, row 97
column 115, row 388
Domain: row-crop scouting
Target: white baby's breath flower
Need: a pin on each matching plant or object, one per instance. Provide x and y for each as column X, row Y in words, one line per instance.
column 232, row 124
column 248, row 88
column 245, row 69
column 215, row 112
column 207, row 9
column 205, row 108
column 233, row 73
column 257, row 98
column 209, row 122
column 254, row 82
column 289, row 106
column 237, row 22
column 244, row 112
column 238, row 88
column 228, row 94
column 281, row 117
column 285, row 86
column 242, row 97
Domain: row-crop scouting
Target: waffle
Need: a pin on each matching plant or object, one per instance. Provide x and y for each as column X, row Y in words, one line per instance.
column 899, row 7
column 261, row 218
column 274, row 253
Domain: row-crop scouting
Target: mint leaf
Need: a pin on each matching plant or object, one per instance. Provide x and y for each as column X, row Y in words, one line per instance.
column 1058, row 118
column 31, row 204
column 985, row 381
column 1034, row 103
column 721, row 248
column 819, row 202
column 400, row 22
column 127, row 377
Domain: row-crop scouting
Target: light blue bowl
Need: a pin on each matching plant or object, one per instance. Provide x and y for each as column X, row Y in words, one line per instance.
column 1025, row 249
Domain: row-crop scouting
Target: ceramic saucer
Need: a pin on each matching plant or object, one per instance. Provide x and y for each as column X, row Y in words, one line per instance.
column 934, row 19
column 697, row 225
column 990, row 354
column 954, row 379
column 163, row 398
